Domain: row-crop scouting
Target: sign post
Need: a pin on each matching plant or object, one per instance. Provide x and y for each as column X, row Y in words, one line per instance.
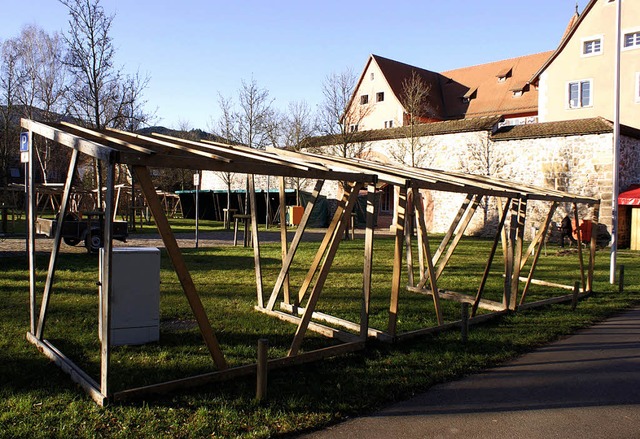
column 196, row 184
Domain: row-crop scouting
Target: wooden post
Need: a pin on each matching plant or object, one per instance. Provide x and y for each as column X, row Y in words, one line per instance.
column 464, row 322
column 574, row 296
column 581, row 258
column 105, row 282
column 173, row 250
column 621, row 280
column 494, row 247
column 283, row 237
column 541, row 234
column 452, row 228
column 286, row 263
column 397, row 260
column 408, row 231
column 256, row 241
column 368, row 262
column 460, row 232
column 431, row 273
column 518, row 230
column 594, row 242
column 261, row 375
column 343, row 223
column 56, row 245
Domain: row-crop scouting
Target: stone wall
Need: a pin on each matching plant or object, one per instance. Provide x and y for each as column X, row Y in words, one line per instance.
column 579, row 164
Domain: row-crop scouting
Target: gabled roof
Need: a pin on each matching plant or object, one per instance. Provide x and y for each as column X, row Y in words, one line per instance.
column 476, row 91
column 574, row 23
column 396, row 72
column 492, row 95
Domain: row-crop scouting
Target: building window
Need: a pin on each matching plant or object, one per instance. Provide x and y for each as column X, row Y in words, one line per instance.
column 380, row 96
column 580, row 94
column 372, row 76
column 592, row 46
column 631, row 40
column 388, row 124
column 353, row 128
column 364, row 99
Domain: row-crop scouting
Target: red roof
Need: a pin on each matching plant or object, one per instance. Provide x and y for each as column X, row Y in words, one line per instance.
column 630, row 197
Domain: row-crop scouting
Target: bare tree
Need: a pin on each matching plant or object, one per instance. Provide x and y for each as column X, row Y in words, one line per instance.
column 101, row 95
column 412, row 148
column 254, row 115
column 298, row 125
column 482, row 159
column 8, row 89
column 225, row 127
column 341, row 116
column 41, row 91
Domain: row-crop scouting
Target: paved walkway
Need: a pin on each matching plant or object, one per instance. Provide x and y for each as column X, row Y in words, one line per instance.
column 585, row 386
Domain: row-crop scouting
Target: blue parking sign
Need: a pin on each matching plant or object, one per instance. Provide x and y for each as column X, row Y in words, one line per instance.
column 24, row 142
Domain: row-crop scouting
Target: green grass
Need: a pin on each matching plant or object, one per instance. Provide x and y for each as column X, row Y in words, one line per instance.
column 38, row 400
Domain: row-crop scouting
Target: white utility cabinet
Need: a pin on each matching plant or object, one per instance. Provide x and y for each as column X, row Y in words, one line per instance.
column 135, row 295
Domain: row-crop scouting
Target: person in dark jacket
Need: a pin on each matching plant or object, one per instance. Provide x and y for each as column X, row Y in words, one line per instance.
column 566, row 230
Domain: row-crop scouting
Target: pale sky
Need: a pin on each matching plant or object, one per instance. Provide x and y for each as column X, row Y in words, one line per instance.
column 193, row 49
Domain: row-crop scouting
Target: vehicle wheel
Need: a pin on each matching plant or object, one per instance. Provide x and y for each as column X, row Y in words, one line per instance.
column 71, row 241
column 71, row 216
column 93, row 241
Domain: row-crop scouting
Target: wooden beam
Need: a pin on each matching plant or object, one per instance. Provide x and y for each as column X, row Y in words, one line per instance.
column 447, row 326
column 433, row 278
column 286, row 262
column 255, row 238
column 580, row 257
column 313, row 326
column 592, row 247
column 546, row 283
column 551, row 301
column 487, row 268
column 53, row 259
column 92, row 149
column 459, row 297
column 344, row 220
column 328, row 237
column 408, row 227
column 351, row 326
column 283, row 237
column 518, row 245
column 368, row 262
column 540, row 239
column 452, row 228
column 458, row 235
column 173, row 250
column 236, row 372
column 76, row 374
column 106, row 285
column 397, row 259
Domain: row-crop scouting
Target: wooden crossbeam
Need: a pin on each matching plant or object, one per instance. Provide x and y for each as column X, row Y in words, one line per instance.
column 53, row 259
column 401, row 209
column 517, row 226
column 283, row 237
column 313, row 326
column 255, row 238
column 539, row 239
column 368, row 262
column 169, row 240
column 328, row 237
column 286, row 262
column 489, row 305
column 343, row 221
column 431, row 274
column 579, row 234
column 487, row 268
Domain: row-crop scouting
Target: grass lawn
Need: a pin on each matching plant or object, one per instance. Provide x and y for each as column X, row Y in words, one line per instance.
column 38, row 400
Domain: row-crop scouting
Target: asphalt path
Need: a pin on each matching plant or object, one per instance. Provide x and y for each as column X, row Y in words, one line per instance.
column 584, row 386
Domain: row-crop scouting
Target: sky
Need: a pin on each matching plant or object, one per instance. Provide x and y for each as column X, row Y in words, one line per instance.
column 195, row 50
